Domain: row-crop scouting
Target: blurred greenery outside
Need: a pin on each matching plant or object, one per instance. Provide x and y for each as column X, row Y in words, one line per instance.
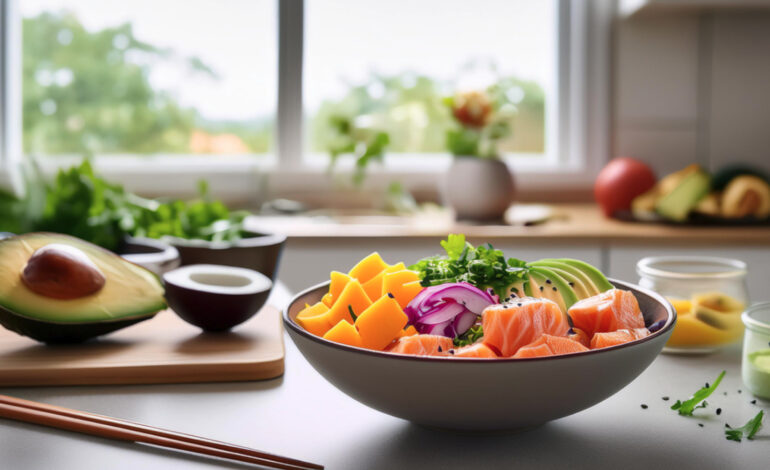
column 88, row 93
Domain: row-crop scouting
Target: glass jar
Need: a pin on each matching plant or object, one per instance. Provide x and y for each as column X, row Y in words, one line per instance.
column 756, row 350
column 708, row 293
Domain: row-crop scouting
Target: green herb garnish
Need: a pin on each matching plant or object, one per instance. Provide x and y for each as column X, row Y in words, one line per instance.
column 469, row 337
column 483, row 266
column 685, row 408
column 748, row 430
column 352, row 314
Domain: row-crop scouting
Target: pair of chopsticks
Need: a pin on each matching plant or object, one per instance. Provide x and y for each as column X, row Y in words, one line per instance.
column 113, row 428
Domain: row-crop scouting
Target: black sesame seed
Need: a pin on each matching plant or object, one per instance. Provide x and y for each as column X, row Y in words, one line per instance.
column 572, row 284
column 514, row 290
column 439, row 349
column 451, row 351
column 644, row 407
column 725, row 393
column 390, row 295
column 547, row 281
column 739, row 391
column 727, row 425
column 719, row 411
column 518, row 304
column 665, row 398
column 541, row 288
column 707, row 385
column 554, row 289
column 753, row 402
column 700, row 424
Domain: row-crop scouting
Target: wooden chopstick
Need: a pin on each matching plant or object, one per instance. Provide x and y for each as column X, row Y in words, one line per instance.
column 113, row 428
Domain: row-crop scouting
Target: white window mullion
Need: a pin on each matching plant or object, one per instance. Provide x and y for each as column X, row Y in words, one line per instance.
column 289, row 114
column 10, row 93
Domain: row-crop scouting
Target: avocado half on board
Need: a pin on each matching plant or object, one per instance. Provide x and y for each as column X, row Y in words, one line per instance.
column 59, row 289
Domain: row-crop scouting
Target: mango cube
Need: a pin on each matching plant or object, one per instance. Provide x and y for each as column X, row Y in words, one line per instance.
column 368, row 268
column 345, row 333
column 381, row 323
column 313, row 318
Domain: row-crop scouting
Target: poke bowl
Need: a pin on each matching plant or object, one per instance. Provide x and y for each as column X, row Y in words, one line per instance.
column 481, row 394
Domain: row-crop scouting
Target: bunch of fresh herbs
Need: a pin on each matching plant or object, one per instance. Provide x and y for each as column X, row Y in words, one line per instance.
column 82, row 204
column 482, row 266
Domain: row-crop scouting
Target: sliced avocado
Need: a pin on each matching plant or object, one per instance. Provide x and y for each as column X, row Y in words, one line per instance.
column 723, row 321
column 126, row 293
column 571, row 274
column 597, row 278
column 576, row 284
column 677, row 204
column 546, row 284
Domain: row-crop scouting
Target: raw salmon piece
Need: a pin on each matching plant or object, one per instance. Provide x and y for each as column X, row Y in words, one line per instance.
column 580, row 336
column 612, row 310
column 507, row 327
column 479, row 350
column 613, row 338
column 423, row 345
column 549, row 345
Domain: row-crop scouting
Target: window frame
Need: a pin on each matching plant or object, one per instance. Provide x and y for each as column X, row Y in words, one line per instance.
column 583, row 122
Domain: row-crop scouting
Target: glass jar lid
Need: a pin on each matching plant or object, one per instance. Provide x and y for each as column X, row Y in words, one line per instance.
column 757, row 318
column 690, row 267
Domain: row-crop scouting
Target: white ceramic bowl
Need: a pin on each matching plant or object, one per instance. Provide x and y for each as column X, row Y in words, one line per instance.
column 482, row 394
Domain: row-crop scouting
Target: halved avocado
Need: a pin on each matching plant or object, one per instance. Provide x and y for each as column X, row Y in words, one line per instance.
column 129, row 293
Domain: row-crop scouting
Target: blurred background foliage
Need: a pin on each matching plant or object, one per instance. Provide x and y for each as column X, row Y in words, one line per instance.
column 88, row 92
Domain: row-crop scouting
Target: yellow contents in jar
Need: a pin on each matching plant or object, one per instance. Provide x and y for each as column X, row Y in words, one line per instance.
column 707, row 319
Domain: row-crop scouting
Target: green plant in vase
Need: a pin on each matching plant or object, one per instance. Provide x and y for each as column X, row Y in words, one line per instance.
column 478, row 185
column 354, row 136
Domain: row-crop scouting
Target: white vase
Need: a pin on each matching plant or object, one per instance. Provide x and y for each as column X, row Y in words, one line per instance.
column 478, row 188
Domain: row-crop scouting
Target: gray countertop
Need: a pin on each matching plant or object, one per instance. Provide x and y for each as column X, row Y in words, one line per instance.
column 303, row 416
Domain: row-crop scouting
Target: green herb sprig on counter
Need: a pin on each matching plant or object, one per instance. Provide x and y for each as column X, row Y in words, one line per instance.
column 481, row 266
column 685, row 408
column 748, row 430
column 474, row 334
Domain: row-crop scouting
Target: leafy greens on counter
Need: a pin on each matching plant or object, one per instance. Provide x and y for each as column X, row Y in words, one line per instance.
column 748, row 430
column 480, row 266
column 82, row 204
column 698, row 398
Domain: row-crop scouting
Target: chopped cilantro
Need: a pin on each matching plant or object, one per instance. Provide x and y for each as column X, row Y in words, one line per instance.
column 685, row 408
column 483, row 266
column 748, row 430
column 469, row 337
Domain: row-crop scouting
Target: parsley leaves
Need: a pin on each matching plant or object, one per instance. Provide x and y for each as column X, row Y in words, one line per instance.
column 474, row 334
column 685, row 408
column 483, row 266
column 748, row 430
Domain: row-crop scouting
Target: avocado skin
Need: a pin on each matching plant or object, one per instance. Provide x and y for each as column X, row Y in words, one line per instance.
column 63, row 333
column 722, row 178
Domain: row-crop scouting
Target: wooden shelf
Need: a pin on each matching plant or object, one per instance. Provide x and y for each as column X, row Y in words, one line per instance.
column 572, row 222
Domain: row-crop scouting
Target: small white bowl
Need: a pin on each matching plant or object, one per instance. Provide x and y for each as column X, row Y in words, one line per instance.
column 482, row 394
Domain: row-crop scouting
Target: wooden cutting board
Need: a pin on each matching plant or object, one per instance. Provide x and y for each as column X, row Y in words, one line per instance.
column 163, row 349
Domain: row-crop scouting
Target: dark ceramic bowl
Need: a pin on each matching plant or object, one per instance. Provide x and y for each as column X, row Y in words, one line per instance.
column 260, row 252
column 214, row 297
column 150, row 254
column 482, row 394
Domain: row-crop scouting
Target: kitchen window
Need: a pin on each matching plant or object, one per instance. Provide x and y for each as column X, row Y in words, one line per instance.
column 245, row 90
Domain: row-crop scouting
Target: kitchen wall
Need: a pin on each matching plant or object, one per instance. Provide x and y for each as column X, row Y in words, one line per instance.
column 693, row 87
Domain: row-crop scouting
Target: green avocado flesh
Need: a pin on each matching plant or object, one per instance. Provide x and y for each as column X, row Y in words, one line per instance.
column 678, row 203
column 565, row 281
column 129, row 295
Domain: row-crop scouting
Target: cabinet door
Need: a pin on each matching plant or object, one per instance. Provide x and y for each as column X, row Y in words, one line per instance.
column 308, row 261
column 623, row 258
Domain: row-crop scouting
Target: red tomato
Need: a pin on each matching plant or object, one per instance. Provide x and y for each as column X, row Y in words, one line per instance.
column 620, row 182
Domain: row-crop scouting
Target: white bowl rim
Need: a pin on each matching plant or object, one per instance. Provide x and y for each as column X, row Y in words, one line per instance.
column 670, row 321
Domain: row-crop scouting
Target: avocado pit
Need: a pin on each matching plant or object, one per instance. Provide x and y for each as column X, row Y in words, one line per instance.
column 60, row 271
